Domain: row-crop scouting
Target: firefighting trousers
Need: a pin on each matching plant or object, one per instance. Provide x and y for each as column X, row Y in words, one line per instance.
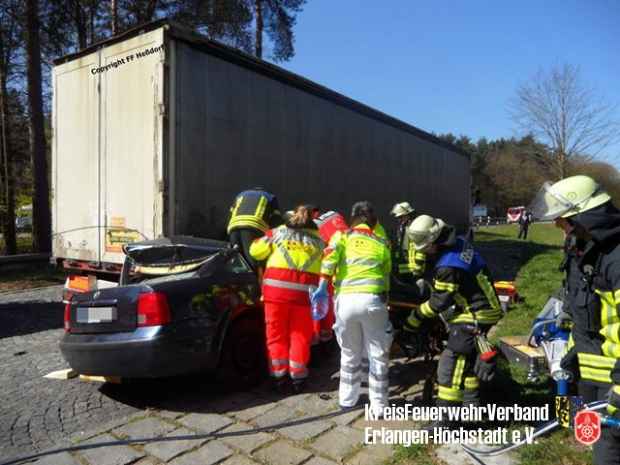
column 289, row 334
column 605, row 451
column 455, row 373
column 362, row 326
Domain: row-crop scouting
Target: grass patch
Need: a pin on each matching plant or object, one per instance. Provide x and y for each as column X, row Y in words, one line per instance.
column 558, row 448
column 537, row 278
column 418, row 454
column 31, row 276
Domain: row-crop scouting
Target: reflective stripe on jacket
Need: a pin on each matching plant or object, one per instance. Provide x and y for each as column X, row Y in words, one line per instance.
column 359, row 261
column 413, row 261
column 293, row 263
column 595, row 294
column 254, row 209
column 461, row 278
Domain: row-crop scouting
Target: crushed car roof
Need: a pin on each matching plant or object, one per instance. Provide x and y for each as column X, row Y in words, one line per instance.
column 175, row 250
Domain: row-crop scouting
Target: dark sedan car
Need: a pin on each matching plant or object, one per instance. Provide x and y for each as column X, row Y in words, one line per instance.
column 183, row 305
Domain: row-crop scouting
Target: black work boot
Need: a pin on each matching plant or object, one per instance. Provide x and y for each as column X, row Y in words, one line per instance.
column 299, row 385
column 280, row 385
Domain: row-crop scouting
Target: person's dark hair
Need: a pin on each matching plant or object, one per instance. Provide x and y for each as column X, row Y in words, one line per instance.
column 301, row 218
column 363, row 213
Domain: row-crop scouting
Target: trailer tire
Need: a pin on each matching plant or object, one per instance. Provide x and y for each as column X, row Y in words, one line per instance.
column 243, row 362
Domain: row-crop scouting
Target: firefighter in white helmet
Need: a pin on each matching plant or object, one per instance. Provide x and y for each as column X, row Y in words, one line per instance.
column 408, row 262
column 462, row 290
column 584, row 210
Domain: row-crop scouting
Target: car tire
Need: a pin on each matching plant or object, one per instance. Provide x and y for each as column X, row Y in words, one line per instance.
column 243, row 362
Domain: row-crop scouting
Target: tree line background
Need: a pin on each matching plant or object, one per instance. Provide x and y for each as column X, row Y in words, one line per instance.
column 508, row 172
column 35, row 32
column 566, row 122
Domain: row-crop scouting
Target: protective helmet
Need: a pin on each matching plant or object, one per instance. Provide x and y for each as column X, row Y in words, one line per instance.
column 567, row 197
column 401, row 209
column 424, row 230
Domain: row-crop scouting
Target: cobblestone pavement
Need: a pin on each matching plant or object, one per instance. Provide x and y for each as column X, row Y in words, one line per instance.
column 35, row 412
column 38, row 413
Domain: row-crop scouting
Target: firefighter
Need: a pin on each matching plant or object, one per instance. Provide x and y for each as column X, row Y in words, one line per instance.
column 409, row 262
column 293, row 252
column 583, row 209
column 251, row 215
column 462, row 288
column 359, row 263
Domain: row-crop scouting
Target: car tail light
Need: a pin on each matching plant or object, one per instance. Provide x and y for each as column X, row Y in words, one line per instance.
column 153, row 309
column 67, row 317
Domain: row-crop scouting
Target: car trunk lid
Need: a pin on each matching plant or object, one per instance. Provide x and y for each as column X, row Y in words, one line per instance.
column 106, row 310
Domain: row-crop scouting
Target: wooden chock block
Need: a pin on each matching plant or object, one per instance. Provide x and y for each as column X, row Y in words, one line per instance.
column 67, row 373
column 101, row 379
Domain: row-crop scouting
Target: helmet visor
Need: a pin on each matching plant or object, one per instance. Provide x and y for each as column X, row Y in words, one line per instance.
column 549, row 205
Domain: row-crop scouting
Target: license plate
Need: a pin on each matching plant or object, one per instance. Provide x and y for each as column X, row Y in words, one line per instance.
column 96, row 314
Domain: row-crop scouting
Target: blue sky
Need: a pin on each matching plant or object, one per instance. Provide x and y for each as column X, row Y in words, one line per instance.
column 453, row 66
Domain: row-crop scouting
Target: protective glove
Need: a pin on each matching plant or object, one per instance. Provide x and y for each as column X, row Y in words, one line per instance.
column 485, row 369
column 409, row 339
column 320, row 295
column 424, row 289
column 570, row 363
column 563, row 320
column 613, row 408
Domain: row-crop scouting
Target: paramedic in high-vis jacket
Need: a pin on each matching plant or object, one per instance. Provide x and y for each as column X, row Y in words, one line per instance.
column 583, row 209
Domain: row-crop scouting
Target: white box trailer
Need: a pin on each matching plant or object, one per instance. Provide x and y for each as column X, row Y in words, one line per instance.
column 157, row 129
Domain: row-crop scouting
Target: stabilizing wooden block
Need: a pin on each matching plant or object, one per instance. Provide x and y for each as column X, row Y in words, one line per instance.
column 101, row 379
column 67, row 373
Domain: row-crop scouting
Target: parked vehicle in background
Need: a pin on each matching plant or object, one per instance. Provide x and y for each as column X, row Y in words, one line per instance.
column 23, row 224
column 479, row 211
column 514, row 213
column 183, row 305
column 157, row 129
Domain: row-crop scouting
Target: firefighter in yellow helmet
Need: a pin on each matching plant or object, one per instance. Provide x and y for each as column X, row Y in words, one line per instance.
column 582, row 208
column 462, row 290
column 409, row 263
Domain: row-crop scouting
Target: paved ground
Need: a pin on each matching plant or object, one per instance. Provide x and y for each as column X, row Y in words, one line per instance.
column 37, row 413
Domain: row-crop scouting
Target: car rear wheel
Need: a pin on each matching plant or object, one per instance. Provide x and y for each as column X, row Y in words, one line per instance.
column 243, row 362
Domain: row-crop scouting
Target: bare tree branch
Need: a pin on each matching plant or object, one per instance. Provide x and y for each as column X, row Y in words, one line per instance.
column 557, row 108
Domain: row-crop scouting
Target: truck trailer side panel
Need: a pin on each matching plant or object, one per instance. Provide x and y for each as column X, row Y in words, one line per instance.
column 236, row 128
column 160, row 143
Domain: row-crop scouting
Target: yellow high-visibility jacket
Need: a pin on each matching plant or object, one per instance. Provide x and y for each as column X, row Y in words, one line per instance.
column 359, row 261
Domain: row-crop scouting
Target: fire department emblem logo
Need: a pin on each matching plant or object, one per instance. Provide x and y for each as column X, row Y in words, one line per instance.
column 587, row 427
